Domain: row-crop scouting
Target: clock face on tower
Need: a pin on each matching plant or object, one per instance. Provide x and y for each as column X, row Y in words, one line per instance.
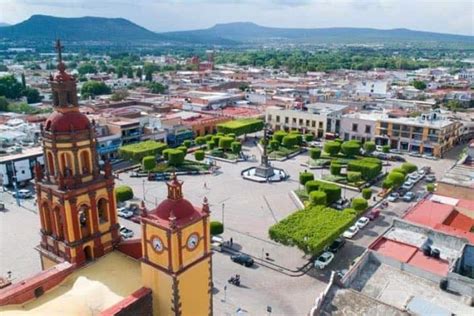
column 157, row 244
column 193, row 241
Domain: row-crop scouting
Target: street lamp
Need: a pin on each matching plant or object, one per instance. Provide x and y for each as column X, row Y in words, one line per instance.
column 223, row 206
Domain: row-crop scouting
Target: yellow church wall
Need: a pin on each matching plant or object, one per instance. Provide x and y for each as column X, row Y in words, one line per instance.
column 192, row 255
column 106, row 238
column 47, row 263
column 63, row 145
column 70, row 230
column 194, row 290
column 161, row 285
column 158, row 258
column 83, row 143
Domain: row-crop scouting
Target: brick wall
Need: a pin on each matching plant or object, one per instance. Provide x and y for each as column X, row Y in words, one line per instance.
column 139, row 303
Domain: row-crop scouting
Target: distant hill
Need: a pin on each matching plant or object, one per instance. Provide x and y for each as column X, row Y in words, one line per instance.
column 250, row 33
column 42, row 27
column 4, row 24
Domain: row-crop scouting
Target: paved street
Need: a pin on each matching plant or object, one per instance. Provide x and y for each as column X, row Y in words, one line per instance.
column 248, row 209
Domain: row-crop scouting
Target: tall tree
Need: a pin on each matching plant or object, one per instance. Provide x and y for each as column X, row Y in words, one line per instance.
column 23, row 80
column 139, row 73
column 149, row 76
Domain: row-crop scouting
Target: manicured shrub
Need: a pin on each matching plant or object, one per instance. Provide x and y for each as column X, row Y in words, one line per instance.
column 335, row 169
column 387, row 183
column 333, row 192
column 225, row 142
column 217, row 152
column 369, row 147
column 350, row 148
column 137, row 151
column 308, row 137
column 305, row 177
column 187, row 143
column 315, row 153
column 123, row 193
column 386, row 149
column 208, row 137
column 353, row 176
column 241, row 126
column 236, row 147
column 220, row 134
column 369, row 168
column 366, row 193
column 396, row 179
column 216, row 228
column 199, row 155
column 274, row 144
column 311, row 229
column 350, row 211
column 211, row 145
column 200, row 140
column 359, row 204
column 148, row 163
column 175, row 157
column 290, row 141
column 165, row 153
column 399, row 170
column 318, row 198
column 216, row 140
column 299, row 138
column 311, row 186
column 332, row 148
column 409, row 167
column 430, row 187
column 184, row 149
column 338, row 140
column 278, row 136
column 231, row 135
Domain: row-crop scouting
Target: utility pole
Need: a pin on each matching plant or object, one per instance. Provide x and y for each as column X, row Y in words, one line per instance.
column 223, row 206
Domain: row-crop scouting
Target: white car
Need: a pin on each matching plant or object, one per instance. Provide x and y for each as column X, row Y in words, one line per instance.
column 324, row 260
column 408, row 185
column 217, row 242
column 125, row 232
column 124, row 212
column 362, row 222
column 393, row 197
column 413, row 176
column 351, row 232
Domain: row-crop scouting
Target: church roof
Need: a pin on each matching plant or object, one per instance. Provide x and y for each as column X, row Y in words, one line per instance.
column 67, row 122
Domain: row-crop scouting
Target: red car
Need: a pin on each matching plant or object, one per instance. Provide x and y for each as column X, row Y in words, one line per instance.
column 373, row 214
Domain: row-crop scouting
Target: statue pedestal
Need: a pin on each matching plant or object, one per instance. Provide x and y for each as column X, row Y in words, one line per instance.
column 264, row 171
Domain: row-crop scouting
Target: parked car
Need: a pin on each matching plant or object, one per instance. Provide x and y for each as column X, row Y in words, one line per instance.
column 341, row 204
column 409, row 196
column 414, row 176
column 414, row 154
column 242, row 259
column 393, row 197
column 324, row 260
column 398, row 158
column 336, row 245
column 430, row 178
column 362, row 222
column 23, row 194
column 124, row 212
column 316, row 144
column 430, row 157
column 375, row 213
column 125, row 232
column 351, row 232
column 408, row 185
column 217, row 243
column 395, row 151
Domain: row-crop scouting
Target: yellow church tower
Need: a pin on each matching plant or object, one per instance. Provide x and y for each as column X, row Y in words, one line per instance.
column 76, row 200
column 177, row 261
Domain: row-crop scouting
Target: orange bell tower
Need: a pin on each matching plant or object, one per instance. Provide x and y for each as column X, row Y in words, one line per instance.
column 76, row 201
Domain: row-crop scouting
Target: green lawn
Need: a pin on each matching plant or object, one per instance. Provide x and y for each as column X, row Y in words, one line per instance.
column 282, row 152
column 188, row 165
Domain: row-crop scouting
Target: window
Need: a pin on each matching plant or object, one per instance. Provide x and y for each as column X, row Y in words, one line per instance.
column 84, row 223
column 313, row 123
column 354, row 127
column 320, row 124
column 278, row 119
column 269, row 118
column 307, row 123
column 52, row 171
column 287, row 119
column 59, row 223
column 396, row 126
column 66, row 164
column 367, row 129
column 294, row 120
column 384, row 125
column 85, row 162
column 102, row 210
column 301, row 122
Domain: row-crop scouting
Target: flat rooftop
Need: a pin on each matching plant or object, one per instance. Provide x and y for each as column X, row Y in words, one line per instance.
column 460, row 175
column 26, row 153
column 88, row 290
column 397, row 288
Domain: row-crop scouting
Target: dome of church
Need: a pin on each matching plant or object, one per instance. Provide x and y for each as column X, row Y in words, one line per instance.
column 67, row 122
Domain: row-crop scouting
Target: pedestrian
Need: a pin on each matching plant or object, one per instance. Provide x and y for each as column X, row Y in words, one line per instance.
column 205, row 185
column 231, row 241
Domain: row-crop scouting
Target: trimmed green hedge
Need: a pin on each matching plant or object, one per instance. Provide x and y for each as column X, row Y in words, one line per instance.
column 123, row 193
column 216, row 139
column 187, row 143
column 315, row 153
column 335, row 169
column 396, row 179
column 369, row 168
column 305, row 177
column 332, row 147
column 359, row 204
column 199, row 155
column 278, row 136
column 333, row 191
column 175, row 157
column 308, row 137
column 350, row 148
column 211, row 145
column 366, row 193
column 369, row 147
column 318, row 198
column 387, row 183
column 148, row 163
column 430, row 187
column 216, row 228
column 200, row 140
column 399, row 170
column 241, row 126
column 208, row 137
column 353, row 176
column 225, row 142
column 290, row 141
column 409, row 167
column 137, row 151
column 312, row 229
column 236, row 147
column 386, row 149
column 184, row 149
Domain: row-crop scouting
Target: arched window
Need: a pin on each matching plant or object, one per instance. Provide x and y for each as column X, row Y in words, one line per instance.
column 46, row 217
column 51, row 164
column 66, row 164
column 84, row 220
column 59, row 223
column 102, row 210
column 85, row 162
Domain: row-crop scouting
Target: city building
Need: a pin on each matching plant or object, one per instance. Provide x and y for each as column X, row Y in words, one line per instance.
column 19, row 167
column 129, row 129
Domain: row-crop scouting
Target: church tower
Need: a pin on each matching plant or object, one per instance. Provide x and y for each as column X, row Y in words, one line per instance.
column 76, row 201
column 177, row 262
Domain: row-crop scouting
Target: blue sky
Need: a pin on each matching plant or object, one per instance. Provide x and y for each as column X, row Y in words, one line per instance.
column 445, row 16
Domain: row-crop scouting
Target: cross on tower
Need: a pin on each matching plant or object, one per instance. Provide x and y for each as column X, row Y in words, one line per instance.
column 59, row 49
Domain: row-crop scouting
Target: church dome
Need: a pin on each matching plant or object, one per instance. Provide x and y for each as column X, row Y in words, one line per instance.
column 67, row 122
